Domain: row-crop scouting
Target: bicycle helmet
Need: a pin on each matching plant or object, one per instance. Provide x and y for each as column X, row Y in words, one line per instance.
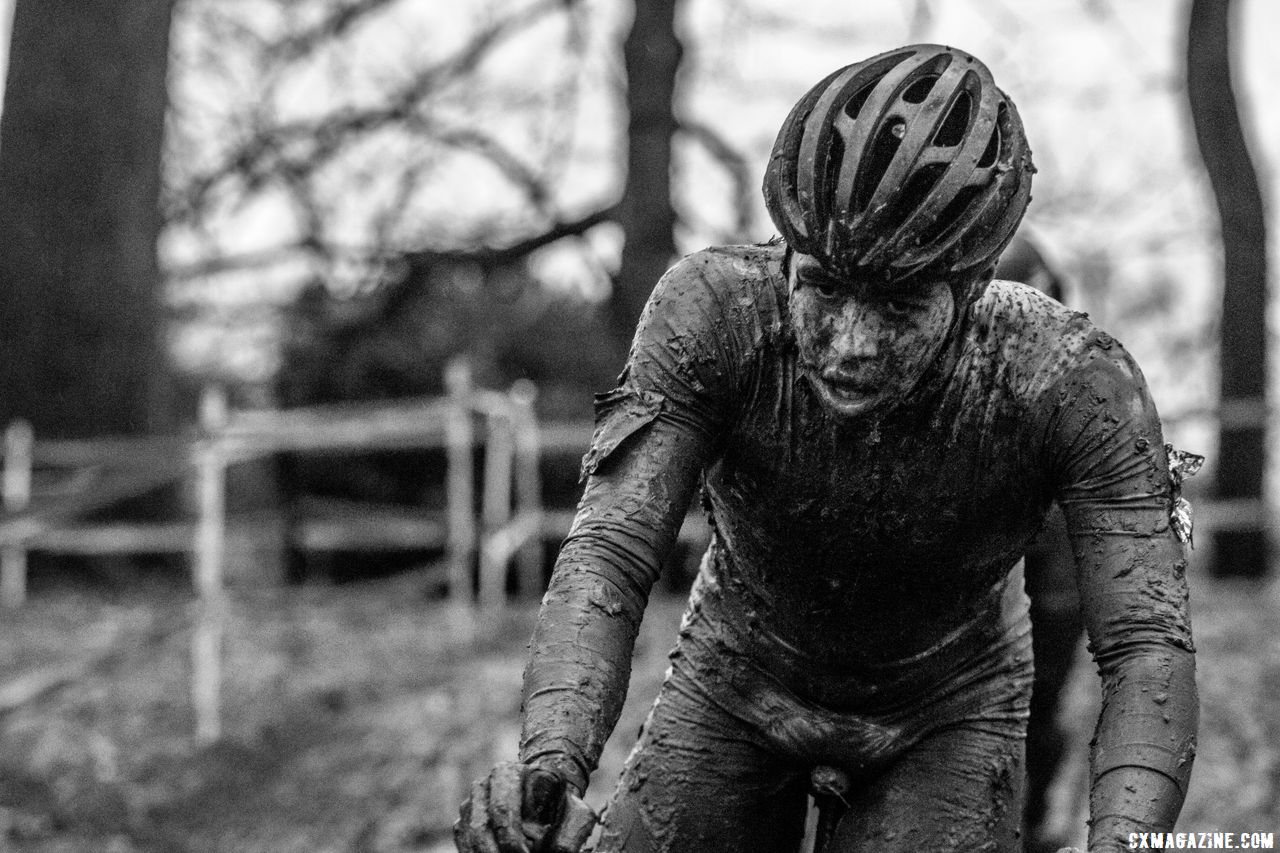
column 909, row 164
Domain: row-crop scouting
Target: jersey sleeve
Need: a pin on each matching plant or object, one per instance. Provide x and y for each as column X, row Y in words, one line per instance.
column 654, row 434
column 1113, row 483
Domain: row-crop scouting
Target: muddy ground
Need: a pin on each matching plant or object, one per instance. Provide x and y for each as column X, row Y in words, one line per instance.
column 354, row 716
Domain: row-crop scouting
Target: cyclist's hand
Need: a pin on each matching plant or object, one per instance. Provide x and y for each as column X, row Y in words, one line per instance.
column 518, row 808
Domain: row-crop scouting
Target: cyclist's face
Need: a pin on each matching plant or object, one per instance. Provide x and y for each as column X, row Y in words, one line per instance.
column 861, row 351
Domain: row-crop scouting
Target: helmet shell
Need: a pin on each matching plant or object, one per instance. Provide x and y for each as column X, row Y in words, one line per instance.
column 910, row 164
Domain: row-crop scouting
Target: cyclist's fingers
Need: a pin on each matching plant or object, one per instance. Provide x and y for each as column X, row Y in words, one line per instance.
column 461, row 840
column 506, row 806
column 472, row 832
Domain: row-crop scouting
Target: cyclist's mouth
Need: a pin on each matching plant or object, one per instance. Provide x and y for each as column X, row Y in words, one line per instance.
column 848, row 397
column 849, row 389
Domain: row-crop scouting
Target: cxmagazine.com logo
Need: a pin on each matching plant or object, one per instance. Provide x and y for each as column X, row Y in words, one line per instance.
column 1202, row 841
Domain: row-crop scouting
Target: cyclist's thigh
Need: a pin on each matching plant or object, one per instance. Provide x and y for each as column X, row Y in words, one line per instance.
column 698, row 780
column 957, row 790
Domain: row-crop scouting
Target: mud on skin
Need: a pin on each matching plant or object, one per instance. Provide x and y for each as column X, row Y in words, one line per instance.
column 863, row 567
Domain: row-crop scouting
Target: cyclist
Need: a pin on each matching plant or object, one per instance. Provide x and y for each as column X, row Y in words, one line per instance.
column 878, row 430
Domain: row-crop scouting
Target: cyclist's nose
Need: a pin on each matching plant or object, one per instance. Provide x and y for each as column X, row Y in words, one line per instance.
column 858, row 335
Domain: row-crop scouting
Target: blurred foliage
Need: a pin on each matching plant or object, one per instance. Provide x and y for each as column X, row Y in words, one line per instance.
column 395, row 341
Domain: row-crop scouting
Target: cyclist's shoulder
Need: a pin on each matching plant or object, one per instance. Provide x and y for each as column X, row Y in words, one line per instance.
column 1038, row 341
column 729, row 270
column 1019, row 320
column 748, row 260
column 740, row 284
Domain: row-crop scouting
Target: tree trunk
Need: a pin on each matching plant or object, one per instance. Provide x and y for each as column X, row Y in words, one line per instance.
column 80, row 151
column 1241, row 548
column 652, row 55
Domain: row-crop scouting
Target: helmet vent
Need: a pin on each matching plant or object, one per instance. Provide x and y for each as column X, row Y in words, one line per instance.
column 952, row 214
column 988, row 157
column 915, row 192
column 854, row 106
column 953, row 128
column 877, row 163
column 920, row 185
column 919, row 90
column 831, row 172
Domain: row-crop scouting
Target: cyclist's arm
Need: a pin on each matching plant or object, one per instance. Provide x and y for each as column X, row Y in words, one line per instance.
column 578, row 673
column 654, row 434
column 1131, row 574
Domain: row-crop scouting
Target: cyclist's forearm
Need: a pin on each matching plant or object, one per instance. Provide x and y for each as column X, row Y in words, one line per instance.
column 1133, row 589
column 1145, row 742
column 1130, row 800
column 579, row 667
column 580, row 661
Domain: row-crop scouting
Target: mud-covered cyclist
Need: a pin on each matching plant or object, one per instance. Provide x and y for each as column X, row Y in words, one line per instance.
column 878, row 430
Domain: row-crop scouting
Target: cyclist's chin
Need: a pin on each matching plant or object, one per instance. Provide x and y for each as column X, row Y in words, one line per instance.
column 847, row 402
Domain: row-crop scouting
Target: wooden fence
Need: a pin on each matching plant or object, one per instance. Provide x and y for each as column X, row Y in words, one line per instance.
column 49, row 484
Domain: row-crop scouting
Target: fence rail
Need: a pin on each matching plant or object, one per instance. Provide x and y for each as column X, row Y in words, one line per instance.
column 49, row 484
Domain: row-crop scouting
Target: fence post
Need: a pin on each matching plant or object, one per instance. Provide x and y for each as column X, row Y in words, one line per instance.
column 460, row 490
column 206, row 642
column 524, row 427
column 495, row 507
column 19, row 452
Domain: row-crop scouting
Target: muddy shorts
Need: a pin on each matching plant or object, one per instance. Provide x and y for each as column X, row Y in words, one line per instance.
column 723, row 761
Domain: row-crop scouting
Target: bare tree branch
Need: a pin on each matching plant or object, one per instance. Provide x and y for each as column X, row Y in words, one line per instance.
column 564, row 100
column 485, row 255
column 787, row 22
column 496, row 256
column 316, row 142
column 533, row 185
column 333, row 26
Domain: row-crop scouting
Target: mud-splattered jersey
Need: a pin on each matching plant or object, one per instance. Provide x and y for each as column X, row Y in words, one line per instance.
column 866, row 559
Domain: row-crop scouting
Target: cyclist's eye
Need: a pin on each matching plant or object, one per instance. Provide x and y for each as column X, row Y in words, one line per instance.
column 825, row 285
column 899, row 307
